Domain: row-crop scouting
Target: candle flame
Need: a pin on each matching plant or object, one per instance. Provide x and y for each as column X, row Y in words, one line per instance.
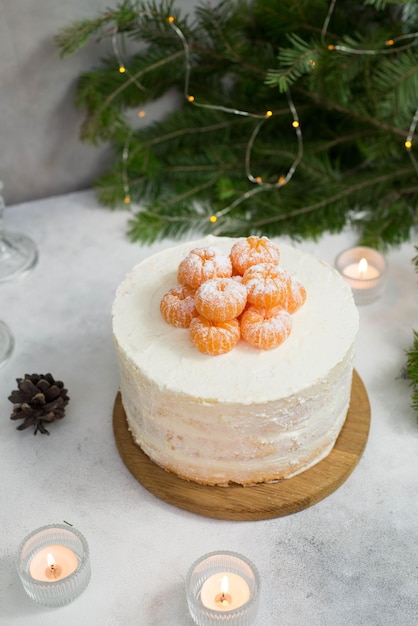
column 362, row 267
column 51, row 561
column 225, row 584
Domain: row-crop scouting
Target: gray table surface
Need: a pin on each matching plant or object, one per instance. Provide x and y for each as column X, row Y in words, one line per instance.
column 351, row 559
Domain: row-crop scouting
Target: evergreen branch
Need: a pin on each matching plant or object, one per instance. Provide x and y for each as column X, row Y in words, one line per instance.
column 191, row 130
column 352, row 109
column 298, row 60
column 411, row 369
column 369, row 120
column 92, row 127
column 76, row 36
column 338, row 196
column 382, row 4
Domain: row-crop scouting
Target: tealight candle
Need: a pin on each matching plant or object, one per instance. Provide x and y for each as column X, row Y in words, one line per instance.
column 364, row 269
column 54, row 564
column 223, row 586
column 224, row 592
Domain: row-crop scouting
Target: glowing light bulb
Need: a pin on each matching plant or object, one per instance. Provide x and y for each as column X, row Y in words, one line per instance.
column 269, row 113
column 295, row 124
column 213, row 219
column 141, row 113
column 258, row 180
column 408, row 144
column 331, row 47
column 122, row 69
column 281, row 180
column 171, row 19
column 127, row 199
column 190, row 98
column 390, row 42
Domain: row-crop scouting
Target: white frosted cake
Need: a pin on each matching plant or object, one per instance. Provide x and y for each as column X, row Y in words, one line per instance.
column 247, row 416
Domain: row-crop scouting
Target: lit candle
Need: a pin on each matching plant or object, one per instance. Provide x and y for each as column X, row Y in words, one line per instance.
column 53, row 563
column 360, row 271
column 364, row 269
column 225, row 591
column 223, row 586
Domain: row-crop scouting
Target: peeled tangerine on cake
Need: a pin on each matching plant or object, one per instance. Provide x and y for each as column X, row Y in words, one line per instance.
column 235, row 359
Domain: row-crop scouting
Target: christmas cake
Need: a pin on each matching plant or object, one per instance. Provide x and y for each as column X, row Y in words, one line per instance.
column 245, row 410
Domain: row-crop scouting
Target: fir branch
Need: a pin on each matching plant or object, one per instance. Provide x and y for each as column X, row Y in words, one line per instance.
column 349, row 190
column 76, row 35
column 124, row 18
column 296, row 61
column 411, row 369
column 354, row 112
column 97, row 122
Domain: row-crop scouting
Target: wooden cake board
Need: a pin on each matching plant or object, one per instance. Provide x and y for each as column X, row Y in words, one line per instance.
column 262, row 501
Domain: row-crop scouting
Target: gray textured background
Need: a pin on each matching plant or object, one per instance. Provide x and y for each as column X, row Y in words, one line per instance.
column 40, row 151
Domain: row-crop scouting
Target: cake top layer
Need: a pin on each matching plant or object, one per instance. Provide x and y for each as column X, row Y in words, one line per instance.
column 323, row 330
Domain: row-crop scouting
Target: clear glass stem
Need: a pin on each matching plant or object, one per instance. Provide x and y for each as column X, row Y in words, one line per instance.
column 6, row 343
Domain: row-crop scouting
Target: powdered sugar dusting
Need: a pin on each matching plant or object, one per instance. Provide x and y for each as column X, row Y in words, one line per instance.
column 252, row 251
column 202, row 264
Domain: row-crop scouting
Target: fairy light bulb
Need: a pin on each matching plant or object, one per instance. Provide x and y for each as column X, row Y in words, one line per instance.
column 122, row 69
column 259, row 180
column 295, row 124
column 190, row 98
column 390, row 42
column 171, row 19
column 213, row 219
column 269, row 113
column 281, row 180
column 127, row 199
column 141, row 113
column 408, row 144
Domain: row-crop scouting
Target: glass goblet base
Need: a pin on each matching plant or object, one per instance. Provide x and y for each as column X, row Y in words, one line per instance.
column 18, row 254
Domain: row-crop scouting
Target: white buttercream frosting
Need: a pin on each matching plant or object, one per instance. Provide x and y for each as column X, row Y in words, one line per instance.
column 246, row 416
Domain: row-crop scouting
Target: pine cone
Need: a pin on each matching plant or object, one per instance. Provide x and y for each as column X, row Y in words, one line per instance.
column 39, row 399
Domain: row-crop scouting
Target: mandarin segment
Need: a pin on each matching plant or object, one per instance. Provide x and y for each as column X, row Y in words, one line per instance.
column 267, row 285
column 296, row 296
column 265, row 329
column 252, row 251
column 177, row 306
column 203, row 264
column 214, row 338
column 220, row 299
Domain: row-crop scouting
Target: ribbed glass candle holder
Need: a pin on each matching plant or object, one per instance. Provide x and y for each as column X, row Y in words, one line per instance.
column 223, row 587
column 54, row 564
column 364, row 269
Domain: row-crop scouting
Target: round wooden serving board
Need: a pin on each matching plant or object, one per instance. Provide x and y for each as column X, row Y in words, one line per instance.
column 263, row 501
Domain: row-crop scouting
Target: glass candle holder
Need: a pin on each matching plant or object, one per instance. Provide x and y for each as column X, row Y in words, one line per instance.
column 54, row 564
column 223, row 587
column 364, row 269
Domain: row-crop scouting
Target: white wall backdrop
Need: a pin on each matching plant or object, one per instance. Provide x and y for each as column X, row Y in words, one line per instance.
column 40, row 151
